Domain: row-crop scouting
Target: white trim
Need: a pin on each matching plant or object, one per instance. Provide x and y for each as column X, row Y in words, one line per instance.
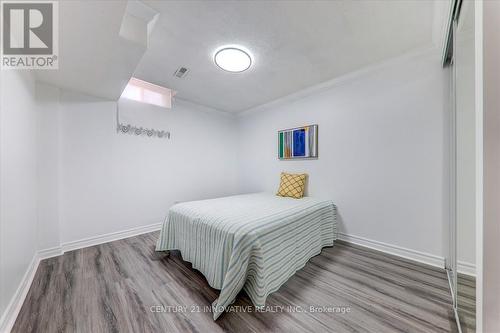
column 466, row 268
column 453, row 230
column 478, row 39
column 50, row 252
column 11, row 312
column 421, row 257
column 16, row 302
column 96, row 240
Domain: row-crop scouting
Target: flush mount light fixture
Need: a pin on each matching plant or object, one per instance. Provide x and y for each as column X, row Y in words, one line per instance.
column 232, row 59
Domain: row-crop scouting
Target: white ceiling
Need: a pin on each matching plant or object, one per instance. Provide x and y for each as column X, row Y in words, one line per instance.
column 93, row 57
column 295, row 44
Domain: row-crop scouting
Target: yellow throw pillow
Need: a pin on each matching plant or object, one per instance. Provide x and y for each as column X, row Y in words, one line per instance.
column 292, row 185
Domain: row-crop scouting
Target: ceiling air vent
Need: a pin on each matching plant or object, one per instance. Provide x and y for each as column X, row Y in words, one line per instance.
column 181, row 72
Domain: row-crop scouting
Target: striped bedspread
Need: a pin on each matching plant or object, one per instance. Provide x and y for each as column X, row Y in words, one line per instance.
column 254, row 242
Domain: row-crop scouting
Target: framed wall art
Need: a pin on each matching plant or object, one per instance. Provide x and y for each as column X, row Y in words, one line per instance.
column 298, row 143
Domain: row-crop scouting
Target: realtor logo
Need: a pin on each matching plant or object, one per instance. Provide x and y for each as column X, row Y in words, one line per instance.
column 29, row 35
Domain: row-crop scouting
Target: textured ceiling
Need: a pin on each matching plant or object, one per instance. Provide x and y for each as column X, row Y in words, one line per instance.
column 93, row 57
column 295, row 44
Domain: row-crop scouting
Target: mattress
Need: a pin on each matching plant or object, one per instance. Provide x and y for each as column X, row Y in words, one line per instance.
column 254, row 242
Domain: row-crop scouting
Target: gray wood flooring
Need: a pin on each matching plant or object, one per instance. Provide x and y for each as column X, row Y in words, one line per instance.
column 466, row 300
column 114, row 287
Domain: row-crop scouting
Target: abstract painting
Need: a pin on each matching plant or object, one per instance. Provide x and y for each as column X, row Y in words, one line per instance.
column 297, row 143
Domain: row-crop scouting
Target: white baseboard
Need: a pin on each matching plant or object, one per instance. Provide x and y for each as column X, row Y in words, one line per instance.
column 101, row 239
column 466, row 268
column 10, row 314
column 16, row 302
column 49, row 253
column 422, row 257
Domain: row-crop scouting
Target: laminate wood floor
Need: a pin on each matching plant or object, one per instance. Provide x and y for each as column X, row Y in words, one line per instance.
column 466, row 300
column 123, row 286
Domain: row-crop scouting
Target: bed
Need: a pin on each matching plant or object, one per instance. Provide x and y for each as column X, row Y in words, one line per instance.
column 254, row 242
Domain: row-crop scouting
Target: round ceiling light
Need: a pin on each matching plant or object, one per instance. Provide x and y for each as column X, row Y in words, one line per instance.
column 233, row 59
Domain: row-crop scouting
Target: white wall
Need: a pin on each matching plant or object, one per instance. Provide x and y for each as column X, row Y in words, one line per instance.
column 49, row 165
column 383, row 140
column 18, row 180
column 382, row 145
column 67, row 175
column 112, row 182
